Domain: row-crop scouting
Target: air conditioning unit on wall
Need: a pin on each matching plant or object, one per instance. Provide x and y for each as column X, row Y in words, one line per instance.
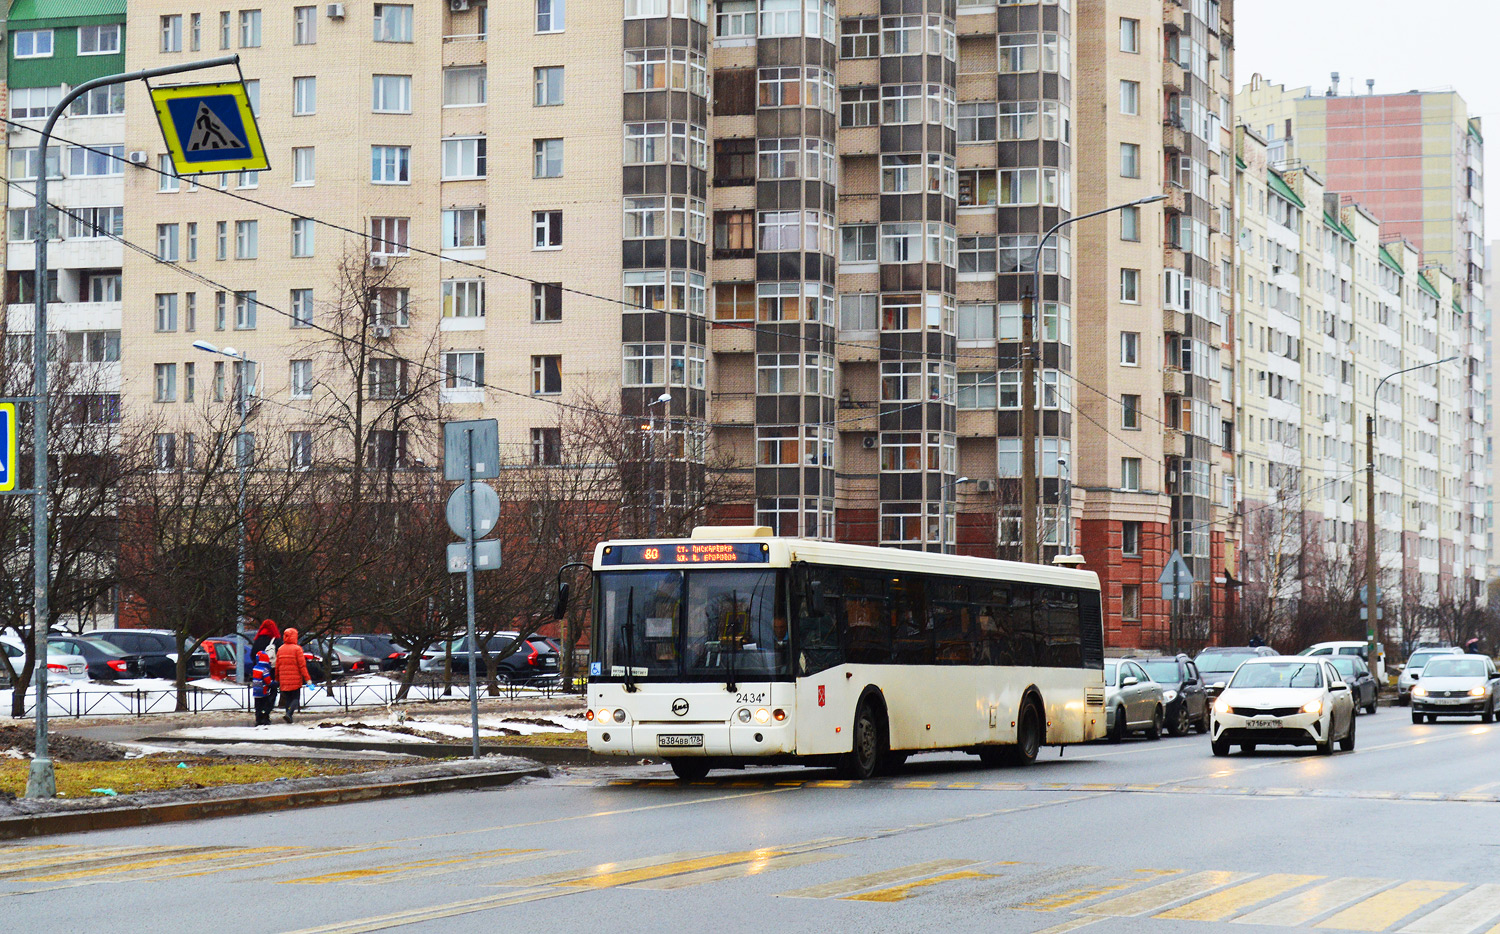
column 335, row 11
column 458, row 6
column 377, row 260
column 984, row 486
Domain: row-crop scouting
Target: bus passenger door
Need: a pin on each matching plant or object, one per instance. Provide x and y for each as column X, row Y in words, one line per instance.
column 825, row 709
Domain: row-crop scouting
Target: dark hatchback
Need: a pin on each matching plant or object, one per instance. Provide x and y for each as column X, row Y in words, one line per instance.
column 1183, row 690
column 1216, row 664
column 157, row 649
column 533, row 660
column 106, row 662
column 1362, row 686
column 392, row 654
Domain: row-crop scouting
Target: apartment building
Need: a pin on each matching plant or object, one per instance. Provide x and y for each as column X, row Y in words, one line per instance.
column 52, row 46
column 1324, row 310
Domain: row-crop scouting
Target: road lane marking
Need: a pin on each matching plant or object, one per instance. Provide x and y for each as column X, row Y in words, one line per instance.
column 1067, row 926
column 90, row 857
column 464, row 866
column 1162, row 894
column 277, row 860
column 432, row 912
column 1305, row 906
column 1230, row 901
column 132, row 866
column 1071, row 897
column 569, row 875
column 1461, row 915
column 447, row 864
column 1384, row 909
column 853, row 884
column 741, row 871
column 899, row 893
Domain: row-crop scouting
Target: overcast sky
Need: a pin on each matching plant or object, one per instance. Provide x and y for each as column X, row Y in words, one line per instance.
column 1431, row 45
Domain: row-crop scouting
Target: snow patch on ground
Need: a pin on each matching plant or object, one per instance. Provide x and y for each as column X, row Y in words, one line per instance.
column 302, row 731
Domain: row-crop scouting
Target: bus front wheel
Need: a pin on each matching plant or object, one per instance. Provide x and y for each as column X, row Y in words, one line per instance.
column 869, row 747
column 689, row 770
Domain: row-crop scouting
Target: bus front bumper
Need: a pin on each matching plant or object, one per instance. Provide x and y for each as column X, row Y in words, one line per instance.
column 669, row 740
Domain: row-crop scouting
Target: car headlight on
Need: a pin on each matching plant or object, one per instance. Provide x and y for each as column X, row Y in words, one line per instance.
column 1168, row 696
column 1313, row 706
column 1418, row 692
column 1221, row 705
column 1479, row 691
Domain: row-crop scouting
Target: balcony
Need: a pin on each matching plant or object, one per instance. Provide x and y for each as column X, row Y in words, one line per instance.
column 1173, row 258
column 1173, row 136
column 1173, row 381
column 1176, row 198
column 1173, row 322
column 1173, row 443
column 1171, row 77
column 1171, row 15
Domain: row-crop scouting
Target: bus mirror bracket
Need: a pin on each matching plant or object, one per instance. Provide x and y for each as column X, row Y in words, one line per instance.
column 812, row 590
column 564, row 589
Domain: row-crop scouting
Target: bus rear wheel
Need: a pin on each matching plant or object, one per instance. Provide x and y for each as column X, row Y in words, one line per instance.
column 863, row 760
column 1028, row 736
column 689, row 770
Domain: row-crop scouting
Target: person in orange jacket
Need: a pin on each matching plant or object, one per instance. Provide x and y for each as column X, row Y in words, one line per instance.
column 291, row 672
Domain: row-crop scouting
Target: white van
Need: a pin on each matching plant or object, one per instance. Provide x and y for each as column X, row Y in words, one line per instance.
column 1362, row 649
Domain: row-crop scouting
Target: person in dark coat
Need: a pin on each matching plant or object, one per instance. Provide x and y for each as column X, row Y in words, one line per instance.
column 263, row 686
column 267, row 637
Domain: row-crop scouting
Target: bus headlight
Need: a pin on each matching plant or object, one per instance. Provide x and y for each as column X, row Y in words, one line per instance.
column 779, row 714
column 620, row 716
column 603, row 715
column 762, row 715
column 743, row 714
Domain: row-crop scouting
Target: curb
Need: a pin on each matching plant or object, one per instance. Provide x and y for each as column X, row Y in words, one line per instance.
column 34, row 825
column 552, row 755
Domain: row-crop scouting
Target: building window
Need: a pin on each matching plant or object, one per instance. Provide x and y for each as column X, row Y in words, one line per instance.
column 734, row 302
column 548, row 84
column 463, row 228
column 1130, row 286
column 92, row 346
column 1130, row 224
column 463, row 369
column 546, row 301
column 393, row 22
column 546, row 375
column 301, row 379
column 245, row 307
column 164, row 447
column 859, row 106
column 385, row 450
column 226, row 30
column 390, row 165
column 463, row 298
column 195, row 32
column 1130, row 98
column 734, row 161
column 858, row 243
column 1130, row 539
column 549, row 15
column 1130, row 35
column 304, row 165
column 1130, row 411
column 546, row 230
column 299, row 450
column 390, row 94
column 99, row 40
column 388, row 235
column 304, row 96
column 99, row 102
column 221, row 240
column 464, row 86
column 302, row 308
column 1130, row 602
column 171, row 33
column 302, row 236
column 860, row 38
column 304, row 25
column 387, row 378
column 166, row 311
column 547, row 161
column 735, row 19
column 734, row 234
column 1130, row 474
column 34, row 43
column 249, row 29
column 546, row 446
column 1130, row 160
column 192, row 238
column 976, row 254
column 464, row 157
column 977, row 391
column 166, row 382
column 166, row 242
column 1130, row 348
column 246, row 239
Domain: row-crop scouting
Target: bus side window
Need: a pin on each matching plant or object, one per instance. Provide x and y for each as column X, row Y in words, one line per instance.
column 818, row 645
column 1061, row 628
column 955, row 638
column 866, row 625
column 909, row 621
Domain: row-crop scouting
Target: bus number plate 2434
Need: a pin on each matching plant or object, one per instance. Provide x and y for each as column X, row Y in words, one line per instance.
column 679, row 739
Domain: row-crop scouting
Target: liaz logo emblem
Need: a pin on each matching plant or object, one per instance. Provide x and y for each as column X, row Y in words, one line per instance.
column 680, row 706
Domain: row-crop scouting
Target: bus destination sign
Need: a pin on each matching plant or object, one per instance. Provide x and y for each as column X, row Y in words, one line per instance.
column 688, row 553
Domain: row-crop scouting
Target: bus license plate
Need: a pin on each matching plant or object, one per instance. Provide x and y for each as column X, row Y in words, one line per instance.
column 679, row 739
column 1263, row 723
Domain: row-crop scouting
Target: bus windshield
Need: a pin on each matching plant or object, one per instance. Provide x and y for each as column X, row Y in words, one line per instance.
column 701, row 625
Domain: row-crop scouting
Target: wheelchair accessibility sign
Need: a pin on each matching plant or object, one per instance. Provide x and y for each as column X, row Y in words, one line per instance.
column 209, row 128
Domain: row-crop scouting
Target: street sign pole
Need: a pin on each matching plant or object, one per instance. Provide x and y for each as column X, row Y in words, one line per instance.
column 41, row 782
column 469, row 587
column 1176, row 601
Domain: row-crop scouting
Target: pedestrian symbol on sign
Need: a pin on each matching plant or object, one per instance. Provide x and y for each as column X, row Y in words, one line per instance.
column 209, row 132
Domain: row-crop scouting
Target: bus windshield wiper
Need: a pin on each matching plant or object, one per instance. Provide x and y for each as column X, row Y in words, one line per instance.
column 629, row 631
column 734, row 645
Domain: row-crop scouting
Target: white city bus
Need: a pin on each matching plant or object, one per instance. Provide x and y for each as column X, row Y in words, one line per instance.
column 735, row 646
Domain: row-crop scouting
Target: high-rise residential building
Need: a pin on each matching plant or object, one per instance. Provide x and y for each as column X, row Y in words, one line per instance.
column 1323, row 310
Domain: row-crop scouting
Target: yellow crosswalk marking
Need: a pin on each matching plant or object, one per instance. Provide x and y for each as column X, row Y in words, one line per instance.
column 1461, row 915
column 1073, row 897
column 1067, row 926
column 569, row 875
column 1163, row 894
column 900, row 893
column 607, row 880
column 521, row 856
column 1304, row 906
column 352, row 875
column 131, row 866
column 78, row 858
column 277, row 860
column 1384, row 909
column 432, row 912
column 1220, row 905
column 870, row 880
column 740, row 871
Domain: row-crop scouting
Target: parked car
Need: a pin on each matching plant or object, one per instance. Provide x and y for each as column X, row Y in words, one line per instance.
column 391, row 653
column 315, row 665
column 216, row 659
column 1183, row 692
column 1132, row 701
column 354, row 661
column 61, row 667
column 105, row 661
column 1217, row 663
column 1350, row 647
column 1456, row 685
column 157, row 648
column 1413, row 670
column 534, row 659
column 1284, row 701
column 1362, row 686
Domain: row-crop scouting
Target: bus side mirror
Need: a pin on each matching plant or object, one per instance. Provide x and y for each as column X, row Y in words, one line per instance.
column 561, row 609
column 815, row 597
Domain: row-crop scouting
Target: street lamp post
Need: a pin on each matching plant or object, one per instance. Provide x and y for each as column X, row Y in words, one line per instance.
column 1030, row 550
column 943, row 510
column 1372, row 591
column 1064, row 507
column 650, row 428
column 244, row 389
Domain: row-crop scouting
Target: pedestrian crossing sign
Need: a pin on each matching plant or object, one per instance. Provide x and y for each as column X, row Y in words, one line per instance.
column 209, row 128
column 8, row 465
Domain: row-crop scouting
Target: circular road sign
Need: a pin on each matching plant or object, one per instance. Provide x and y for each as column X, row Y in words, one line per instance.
column 486, row 510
